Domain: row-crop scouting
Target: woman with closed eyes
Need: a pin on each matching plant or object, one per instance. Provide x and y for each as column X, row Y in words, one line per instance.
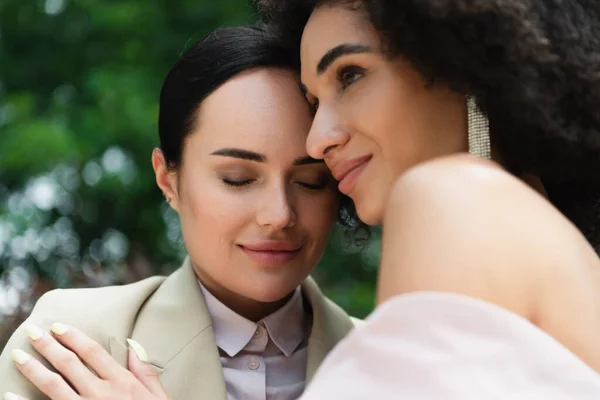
column 241, row 319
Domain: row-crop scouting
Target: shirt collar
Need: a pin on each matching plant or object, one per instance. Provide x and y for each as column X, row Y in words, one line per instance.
column 286, row 326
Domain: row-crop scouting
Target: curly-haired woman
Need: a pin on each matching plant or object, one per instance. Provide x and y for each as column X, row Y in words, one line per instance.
column 489, row 278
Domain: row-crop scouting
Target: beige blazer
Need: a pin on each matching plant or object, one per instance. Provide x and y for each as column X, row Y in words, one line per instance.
column 168, row 316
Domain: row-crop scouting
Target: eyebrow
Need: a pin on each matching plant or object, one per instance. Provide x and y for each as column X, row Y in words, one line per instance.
column 257, row 157
column 338, row 51
column 241, row 154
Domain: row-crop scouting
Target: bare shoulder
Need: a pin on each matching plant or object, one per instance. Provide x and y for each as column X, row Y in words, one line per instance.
column 464, row 225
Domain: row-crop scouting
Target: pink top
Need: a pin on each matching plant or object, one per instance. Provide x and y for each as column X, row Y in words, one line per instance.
column 264, row 360
column 431, row 345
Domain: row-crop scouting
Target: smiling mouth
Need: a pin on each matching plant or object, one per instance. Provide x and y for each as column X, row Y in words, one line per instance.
column 270, row 257
column 347, row 173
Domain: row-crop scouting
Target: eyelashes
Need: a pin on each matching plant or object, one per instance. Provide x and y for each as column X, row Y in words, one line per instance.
column 313, row 186
column 349, row 74
column 237, row 184
column 345, row 77
column 246, row 182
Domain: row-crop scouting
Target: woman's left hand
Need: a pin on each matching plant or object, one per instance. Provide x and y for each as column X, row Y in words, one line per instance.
column 69, row 350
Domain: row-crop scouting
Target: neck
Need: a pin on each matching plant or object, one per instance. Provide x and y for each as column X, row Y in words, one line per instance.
column 248, row 308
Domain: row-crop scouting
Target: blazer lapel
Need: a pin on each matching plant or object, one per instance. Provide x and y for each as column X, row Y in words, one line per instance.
column 175, row 328
column 330, row 325
column 118, row 350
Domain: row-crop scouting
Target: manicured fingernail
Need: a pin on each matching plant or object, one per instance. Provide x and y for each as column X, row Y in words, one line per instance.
column 19, row 356
column 11, row 396
column 34, row 332
column 138, row 350
column 59, row 329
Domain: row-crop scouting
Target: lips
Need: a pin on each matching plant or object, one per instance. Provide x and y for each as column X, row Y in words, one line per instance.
column 271, row 253
column 346, row 172
column 341, row 169
column 272, row 245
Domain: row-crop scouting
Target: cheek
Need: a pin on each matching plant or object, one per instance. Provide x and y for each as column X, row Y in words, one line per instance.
column 319, row 213
column 374, row 111
column 211, row 215
column 391, row 118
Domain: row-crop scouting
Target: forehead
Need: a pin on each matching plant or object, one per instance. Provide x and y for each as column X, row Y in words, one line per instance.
column 261, row 110
column 330, row 26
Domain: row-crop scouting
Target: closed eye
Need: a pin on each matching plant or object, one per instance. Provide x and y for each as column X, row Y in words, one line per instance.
column 313, row 186
column 237, row 183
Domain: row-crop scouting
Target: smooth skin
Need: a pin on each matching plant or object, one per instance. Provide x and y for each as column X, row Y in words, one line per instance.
column 246, row 180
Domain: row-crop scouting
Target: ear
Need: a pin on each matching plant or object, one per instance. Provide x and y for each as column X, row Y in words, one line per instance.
column 165, row 179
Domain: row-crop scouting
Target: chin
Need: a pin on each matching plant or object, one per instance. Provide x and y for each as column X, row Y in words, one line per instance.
column 272, row 295
column 370, row 213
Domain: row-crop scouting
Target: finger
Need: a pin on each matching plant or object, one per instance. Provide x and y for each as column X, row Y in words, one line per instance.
column 65, row 361
column 143, row 371
column 50, row 383
column 89, row 351
column 12, row 396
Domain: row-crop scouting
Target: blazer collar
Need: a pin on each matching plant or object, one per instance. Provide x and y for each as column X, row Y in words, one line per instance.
column 330, row 325
column 175, row 328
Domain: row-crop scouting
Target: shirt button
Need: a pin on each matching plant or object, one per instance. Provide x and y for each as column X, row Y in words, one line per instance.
column 254, row 364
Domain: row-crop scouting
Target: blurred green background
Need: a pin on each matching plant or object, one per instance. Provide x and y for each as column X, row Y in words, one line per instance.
column 79, row 87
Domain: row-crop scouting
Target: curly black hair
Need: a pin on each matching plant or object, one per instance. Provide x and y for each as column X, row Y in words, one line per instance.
column 532, row 65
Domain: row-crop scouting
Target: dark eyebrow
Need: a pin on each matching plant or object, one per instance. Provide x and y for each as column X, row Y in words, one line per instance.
column 338, row 51
column 241, row 154
column 252, row 156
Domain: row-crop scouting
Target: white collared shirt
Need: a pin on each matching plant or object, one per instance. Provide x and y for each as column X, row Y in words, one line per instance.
column 265, row 360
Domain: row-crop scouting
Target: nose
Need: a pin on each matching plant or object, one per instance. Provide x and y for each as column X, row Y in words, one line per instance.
column 276, row 211
column 326, row 133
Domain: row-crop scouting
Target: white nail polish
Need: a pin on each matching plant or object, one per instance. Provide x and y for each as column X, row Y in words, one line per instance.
column 11, row 396
column 59, row 329
column 34, row 332
column 19, row 356
column 138, row 350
